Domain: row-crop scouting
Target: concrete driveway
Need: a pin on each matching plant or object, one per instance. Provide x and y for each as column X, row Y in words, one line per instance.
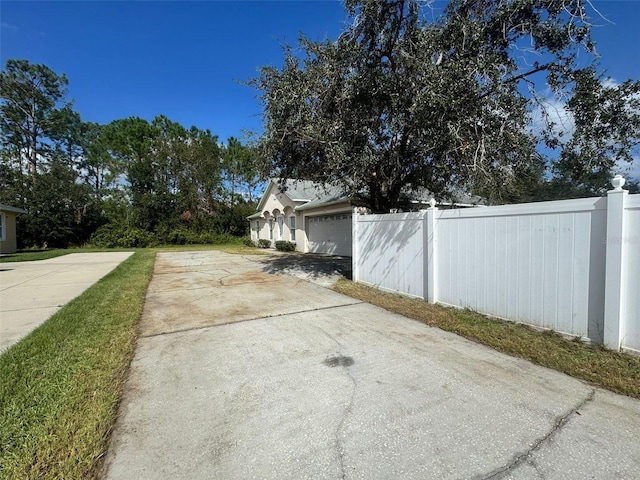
column 30, row 292
column 242, row 374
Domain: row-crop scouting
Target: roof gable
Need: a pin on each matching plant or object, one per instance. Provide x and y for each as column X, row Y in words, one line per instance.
column 265, row 195
column 302, row 191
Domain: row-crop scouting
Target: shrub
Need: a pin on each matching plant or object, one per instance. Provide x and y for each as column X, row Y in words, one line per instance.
column 180, row 236
column 113, row 235
column 285, row 246
column 264, row 243
column 185, row 236
column 218, row 238
column 248, row 242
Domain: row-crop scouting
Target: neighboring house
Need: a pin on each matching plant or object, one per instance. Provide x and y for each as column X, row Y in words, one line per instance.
column 8, row 243
column 315, row 218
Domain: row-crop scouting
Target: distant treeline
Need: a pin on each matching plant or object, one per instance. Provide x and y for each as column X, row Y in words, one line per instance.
column 128, row 183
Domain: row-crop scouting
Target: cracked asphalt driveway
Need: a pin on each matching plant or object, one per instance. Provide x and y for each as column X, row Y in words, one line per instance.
column 239, row 373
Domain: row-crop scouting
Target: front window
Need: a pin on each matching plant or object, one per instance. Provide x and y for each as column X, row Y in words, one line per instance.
column 280, row 227
column 292, row 228
column 271, row 229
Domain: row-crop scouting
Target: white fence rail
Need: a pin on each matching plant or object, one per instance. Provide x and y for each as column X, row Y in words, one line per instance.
column 572, row 266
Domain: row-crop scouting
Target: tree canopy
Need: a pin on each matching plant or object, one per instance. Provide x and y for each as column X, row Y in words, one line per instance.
column 30, row 94
column 127, row 183
column 401, row 101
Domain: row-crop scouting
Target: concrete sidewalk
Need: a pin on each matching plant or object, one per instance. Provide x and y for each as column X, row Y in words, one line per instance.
column 30, row 292
column 239, row 374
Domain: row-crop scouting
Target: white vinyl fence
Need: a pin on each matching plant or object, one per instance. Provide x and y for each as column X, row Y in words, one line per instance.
column 572, row 266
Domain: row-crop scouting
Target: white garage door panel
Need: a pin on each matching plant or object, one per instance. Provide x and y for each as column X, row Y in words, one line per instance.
column 330, row 234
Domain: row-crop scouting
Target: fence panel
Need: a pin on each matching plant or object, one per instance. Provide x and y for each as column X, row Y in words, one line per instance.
column 389, row 252
column 631, row 239
column 531, row 263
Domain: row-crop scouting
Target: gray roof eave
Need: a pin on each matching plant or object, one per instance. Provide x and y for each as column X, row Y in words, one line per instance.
column 7, row 208
column 313, row 205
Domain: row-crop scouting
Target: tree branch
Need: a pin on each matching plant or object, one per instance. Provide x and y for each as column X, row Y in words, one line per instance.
column 520, row 77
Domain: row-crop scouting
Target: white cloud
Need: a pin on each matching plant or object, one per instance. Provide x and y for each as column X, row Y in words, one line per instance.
column 610, row 83
column 551, row 113
column 629, row 170
column 8, row 27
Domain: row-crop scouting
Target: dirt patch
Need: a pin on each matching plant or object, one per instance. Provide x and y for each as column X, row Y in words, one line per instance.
column 249, row 277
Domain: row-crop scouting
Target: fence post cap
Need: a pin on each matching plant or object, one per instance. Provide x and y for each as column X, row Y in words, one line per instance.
column 432, row 203
column 618, row 182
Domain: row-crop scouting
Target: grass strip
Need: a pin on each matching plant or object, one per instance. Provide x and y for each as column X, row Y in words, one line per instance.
column 615, row 371
column 33, row 255
column 61, row 385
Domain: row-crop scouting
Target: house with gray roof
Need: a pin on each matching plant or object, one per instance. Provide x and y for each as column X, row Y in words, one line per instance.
column 317, row 217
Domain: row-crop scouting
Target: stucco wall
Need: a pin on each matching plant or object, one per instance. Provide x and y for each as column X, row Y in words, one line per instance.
column 276, row 205
column 263, row 231
column 8, row 245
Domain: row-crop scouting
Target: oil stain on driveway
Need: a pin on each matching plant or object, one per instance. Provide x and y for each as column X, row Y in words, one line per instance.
column 243, row 374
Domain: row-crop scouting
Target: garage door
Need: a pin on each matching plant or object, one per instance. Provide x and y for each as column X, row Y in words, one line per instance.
column 330, row 234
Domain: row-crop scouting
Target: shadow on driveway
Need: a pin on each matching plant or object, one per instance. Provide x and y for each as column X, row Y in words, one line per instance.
column 311, row 266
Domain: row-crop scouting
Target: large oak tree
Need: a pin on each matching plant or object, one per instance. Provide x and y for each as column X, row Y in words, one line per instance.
column 402, row 101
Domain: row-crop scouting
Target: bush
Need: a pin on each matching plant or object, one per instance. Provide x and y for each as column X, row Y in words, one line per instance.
column 181, row 236
column 248, row 242
column 185, row 236
column 264, row 243
column 285, row 246
column 213, row 238
column 114, row 235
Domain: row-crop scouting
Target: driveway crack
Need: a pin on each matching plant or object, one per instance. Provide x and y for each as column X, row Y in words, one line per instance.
column 339, row 443
column 522, row 457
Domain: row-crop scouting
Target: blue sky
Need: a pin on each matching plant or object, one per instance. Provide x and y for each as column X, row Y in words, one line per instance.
column 183, row 59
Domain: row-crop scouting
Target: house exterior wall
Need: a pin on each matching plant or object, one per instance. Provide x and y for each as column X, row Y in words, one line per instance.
column 275, row 206
column 278, row 201
column 8, row 244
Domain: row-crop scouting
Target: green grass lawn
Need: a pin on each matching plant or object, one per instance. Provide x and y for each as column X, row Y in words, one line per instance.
column 615, row 371
column 60, row 386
